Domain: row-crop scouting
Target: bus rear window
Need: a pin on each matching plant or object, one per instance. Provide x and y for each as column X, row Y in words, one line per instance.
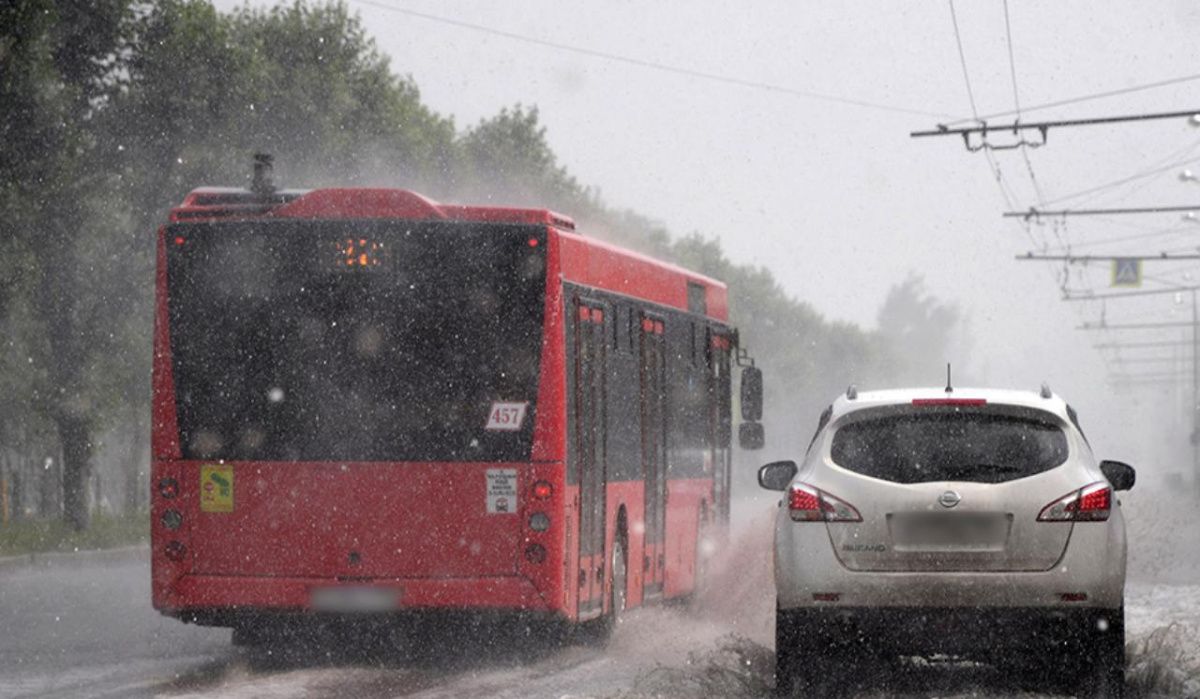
column 949, row 445
column 356, row 340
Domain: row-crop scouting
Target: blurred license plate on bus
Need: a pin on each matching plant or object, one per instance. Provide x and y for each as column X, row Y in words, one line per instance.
column 355, row 599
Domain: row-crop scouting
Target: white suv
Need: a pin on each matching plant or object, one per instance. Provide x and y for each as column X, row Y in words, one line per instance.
column 962, row 523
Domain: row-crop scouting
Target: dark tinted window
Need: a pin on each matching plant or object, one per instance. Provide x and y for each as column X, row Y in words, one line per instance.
column 821, row 422
column 949, row 445
column 363, row 340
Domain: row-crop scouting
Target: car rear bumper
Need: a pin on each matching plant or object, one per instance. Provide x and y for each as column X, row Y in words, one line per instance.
column 982, row 633
column 809, row 575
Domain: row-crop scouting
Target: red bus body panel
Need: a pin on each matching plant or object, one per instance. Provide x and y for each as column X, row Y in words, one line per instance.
column 419, row 528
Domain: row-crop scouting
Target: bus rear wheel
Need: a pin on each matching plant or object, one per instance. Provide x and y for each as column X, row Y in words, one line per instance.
column 252, row 635
column 599, row 631
column 620, row 584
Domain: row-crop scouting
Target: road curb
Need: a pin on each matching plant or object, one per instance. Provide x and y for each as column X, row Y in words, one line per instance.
column 75, row 559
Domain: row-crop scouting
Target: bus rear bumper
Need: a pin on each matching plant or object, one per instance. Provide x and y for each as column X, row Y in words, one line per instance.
column 207, row 599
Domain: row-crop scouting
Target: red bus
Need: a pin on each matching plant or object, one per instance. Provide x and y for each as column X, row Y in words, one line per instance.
column 365, row 401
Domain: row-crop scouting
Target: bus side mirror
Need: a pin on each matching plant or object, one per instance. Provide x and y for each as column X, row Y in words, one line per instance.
column 752, row 394
column 751, row 435
column 1120, row 475
column 777, row 475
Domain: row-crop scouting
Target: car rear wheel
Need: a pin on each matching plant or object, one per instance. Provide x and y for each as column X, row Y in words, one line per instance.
column 1100, row 665
column 787, row 652
column 806, row 664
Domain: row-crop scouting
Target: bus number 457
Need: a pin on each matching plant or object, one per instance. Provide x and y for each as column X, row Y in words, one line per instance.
column 506, row 417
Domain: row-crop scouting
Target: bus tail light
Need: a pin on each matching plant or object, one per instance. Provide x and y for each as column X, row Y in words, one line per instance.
column 539, row 521
column 168, row 488
column 535, row 553
column 171, row 519
column 542, row 490
column 175, row 551
column 809, row 504
column 1091, row 503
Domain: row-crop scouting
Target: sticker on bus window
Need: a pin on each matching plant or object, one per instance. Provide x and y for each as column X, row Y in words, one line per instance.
column 501, row 490
column 506, row 417
column 216, row 488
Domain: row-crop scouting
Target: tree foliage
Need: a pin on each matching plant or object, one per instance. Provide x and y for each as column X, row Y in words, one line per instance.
column 110, row 111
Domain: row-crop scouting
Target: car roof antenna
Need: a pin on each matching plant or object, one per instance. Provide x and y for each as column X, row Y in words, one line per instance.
column 949, row 386
column 262, row 183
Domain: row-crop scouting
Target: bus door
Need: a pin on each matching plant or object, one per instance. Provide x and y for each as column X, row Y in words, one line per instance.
column 654, row 451
column 720, row 420
column 590, row 416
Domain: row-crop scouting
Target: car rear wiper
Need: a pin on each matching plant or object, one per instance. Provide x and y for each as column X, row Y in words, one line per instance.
column 972, row 471
column 1003, row 468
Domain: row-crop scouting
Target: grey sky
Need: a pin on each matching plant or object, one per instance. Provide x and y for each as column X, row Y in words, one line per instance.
column 837, row 200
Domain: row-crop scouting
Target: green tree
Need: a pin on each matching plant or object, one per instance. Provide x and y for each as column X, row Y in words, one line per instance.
column 111, row 112
column 62, row 61
column 918, row 331
column 507, row 159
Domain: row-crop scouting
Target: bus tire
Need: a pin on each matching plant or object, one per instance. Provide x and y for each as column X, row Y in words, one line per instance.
column 598, row 631
column 619, row 592
column 249, row 636
column 700, row 567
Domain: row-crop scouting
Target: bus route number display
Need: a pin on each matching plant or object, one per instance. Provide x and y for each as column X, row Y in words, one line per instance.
column 358, row 253
column 506, row 417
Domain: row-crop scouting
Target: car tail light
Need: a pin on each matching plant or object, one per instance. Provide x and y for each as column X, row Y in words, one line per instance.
column 1088, row 504
column 809, row 504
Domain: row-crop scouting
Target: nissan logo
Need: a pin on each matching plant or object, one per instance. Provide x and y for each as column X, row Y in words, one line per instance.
column 949, row 498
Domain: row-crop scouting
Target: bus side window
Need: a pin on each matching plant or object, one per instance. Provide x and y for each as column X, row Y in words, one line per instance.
column 616, row 326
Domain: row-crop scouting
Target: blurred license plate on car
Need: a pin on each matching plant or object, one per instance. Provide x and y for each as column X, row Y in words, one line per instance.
column 958, row 531
column 348, row 598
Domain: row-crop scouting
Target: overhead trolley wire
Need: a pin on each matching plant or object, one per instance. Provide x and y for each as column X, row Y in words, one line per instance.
column 1012, row 71
column 1012, row 64
column 1080, row 98
column 652, row 65
column 962, row 59
column 1179, row 230
column 1039, row 213
column 1009, row 198
column 1125, row 180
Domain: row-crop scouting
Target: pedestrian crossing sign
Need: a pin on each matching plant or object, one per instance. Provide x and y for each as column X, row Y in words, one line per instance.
column 1127, row 271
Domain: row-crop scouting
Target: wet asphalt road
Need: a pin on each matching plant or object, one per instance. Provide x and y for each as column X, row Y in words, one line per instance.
column 84, row 627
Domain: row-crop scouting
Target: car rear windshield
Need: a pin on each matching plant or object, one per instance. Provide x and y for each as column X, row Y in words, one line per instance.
column 356, row 340
column 949, row 445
